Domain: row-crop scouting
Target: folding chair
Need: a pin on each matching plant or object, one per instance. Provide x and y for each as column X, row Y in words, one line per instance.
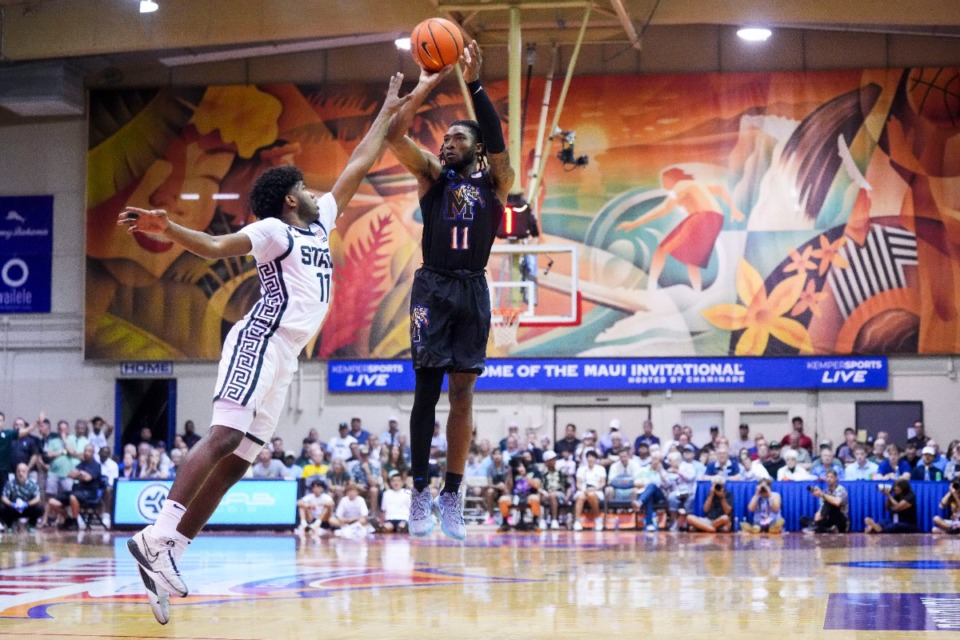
column 474, row 510
column 92, row 510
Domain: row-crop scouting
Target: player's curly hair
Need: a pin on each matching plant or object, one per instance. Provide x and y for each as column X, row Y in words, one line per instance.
column 477, row 137
column 266, row 197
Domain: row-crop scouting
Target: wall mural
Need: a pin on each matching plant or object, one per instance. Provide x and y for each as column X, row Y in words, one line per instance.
column 736, row 214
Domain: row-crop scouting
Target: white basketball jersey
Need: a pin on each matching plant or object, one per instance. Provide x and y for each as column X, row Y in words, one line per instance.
column 296, row 277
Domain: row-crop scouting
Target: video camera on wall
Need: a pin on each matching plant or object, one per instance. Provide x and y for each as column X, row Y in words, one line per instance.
column 566, row 154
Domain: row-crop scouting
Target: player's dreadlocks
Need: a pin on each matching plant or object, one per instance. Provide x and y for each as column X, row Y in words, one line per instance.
column 273, row 185
column 477, row 137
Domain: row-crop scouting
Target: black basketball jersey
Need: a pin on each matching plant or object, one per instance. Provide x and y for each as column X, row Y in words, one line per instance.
column 460, row 220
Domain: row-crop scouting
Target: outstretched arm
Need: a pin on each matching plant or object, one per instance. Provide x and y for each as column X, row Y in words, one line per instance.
column 156, row 222
column 369, row 148
column 424, row 165
column 491, row 130
column 658, row 211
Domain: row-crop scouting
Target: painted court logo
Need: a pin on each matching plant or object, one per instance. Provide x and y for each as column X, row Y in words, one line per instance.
column 150, row 501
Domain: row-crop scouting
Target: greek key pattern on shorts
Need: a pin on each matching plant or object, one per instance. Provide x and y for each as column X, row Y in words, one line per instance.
column 244, row 370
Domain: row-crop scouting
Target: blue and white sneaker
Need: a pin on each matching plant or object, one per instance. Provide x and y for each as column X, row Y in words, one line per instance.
column 450, row 506
column 421, row 513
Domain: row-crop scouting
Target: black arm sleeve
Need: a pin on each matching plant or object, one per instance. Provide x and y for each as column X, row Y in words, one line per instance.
column 487, row 118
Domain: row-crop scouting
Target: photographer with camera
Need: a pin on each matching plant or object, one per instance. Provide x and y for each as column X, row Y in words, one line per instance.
column 765, row 505
column 951, row 504
column 833, row 514
column 718, row 507
column 902, row 505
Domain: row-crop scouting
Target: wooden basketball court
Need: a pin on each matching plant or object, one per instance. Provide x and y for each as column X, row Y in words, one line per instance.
column 534, row 585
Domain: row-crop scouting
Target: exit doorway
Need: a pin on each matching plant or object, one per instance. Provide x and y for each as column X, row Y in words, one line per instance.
column 145, row 402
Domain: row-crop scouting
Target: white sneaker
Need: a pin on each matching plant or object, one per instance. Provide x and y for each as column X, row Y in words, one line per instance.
column 554, row 525
column 450, row 506
column 577, row 526
column 158, row 598
column 598, row 524
column 155, row 555
column 421, row 513
column 542, row 524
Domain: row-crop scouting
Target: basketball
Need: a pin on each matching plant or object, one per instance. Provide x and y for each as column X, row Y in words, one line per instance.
column 436, row 43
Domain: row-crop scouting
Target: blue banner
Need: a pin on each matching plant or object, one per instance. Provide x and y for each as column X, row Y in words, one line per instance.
column 629, row 374
column 26, row 250
column 249, row 503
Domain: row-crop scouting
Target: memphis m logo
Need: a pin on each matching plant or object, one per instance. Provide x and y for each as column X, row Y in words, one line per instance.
column 462, row 200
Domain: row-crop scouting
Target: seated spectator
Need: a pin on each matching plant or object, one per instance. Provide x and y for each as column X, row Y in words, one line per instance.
column 951, row 504
column 648, row 483
column 366, row 475
column 190, row 437
column 743, row 442
column 21, row 499
column 939, row 461
column 717, row 509
column 589, row 443
column 555, row 490
column 902, row 505
column 276, row 447
column 396, row 462
column 825, row 462
column 111, row 471
column 294, row 471
column 797, row 439
column 524, row 484
column 725, row 466
column 680, row 487
column 337, row 479
column 176, row 461
column 793, row 470
column 612, row 454
column 339, row 445
column 350, row 509
column 879, row 453
column 622, row 478
column 844, row 453
column 153, row 468
column 569, row 442
column 315, row 509
column 86, row 488
column 607, row 446
column 396, row 505
column 860, row 468
column 317, row 468
column 775, row 462
column 591, row 479
column 953, row 467
column 642, row 454
column 833, row 514
column 268, row 467
column 765, row 507
column 647, row 436
column 497, row 473
column 911, row 455
column 892, row 466
column 511, row 448
column 926, row 469
column 689, row 453
column 751, row 469
column 128, row 467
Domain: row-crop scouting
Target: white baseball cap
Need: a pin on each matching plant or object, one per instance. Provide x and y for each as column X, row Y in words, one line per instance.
column 615, row 424
column 929, row 450
column 549, row 455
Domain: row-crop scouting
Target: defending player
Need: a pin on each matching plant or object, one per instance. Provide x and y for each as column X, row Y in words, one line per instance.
column 461, row 196
column 290, row 242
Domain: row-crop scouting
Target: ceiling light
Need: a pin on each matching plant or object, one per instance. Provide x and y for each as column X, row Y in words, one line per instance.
column 148, row 6
column 402, row 43
column 189, row 196
column 226, row 196
column 754, row 34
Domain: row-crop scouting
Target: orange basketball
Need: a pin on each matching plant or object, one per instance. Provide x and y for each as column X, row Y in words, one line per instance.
column 436, row 43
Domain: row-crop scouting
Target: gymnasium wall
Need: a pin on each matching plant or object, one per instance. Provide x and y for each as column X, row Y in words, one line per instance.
column 41, row 359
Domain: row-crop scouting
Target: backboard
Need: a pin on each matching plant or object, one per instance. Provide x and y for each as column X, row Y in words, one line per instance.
column 539, row 279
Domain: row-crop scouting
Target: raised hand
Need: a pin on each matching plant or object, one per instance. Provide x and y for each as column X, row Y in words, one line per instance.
column 144, row 220
column 470, row 61
column 394, row 101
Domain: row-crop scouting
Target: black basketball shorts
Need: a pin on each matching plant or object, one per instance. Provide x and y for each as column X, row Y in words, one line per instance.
column 449, row 320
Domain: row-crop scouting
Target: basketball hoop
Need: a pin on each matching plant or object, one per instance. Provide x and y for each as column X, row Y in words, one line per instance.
column 505, row 323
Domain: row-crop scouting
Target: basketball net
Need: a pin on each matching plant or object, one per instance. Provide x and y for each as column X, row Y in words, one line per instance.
column 505, row 323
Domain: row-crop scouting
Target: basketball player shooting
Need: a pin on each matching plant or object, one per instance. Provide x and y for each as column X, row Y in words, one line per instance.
column 290, row 242
column 461, row 191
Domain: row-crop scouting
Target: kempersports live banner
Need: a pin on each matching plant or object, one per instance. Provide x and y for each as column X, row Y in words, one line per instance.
column 625, row 374
column 26, row 250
